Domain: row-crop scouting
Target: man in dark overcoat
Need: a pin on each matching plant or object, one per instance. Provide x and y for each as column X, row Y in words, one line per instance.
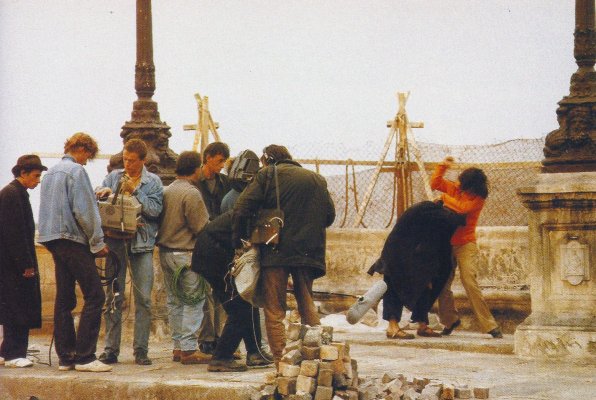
column 308, row 210
column 20, row 295
column 416, row 263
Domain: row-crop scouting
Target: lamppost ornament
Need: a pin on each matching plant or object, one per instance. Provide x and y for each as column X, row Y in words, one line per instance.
column 145, row 123
column 572, row 147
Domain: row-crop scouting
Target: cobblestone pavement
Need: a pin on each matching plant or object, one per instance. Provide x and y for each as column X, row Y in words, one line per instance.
column 463, row 358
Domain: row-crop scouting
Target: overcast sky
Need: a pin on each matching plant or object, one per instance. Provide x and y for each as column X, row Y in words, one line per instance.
column 285, row 71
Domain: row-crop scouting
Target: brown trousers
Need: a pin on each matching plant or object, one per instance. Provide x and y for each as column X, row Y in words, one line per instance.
column 275, row 281
column 466, row 257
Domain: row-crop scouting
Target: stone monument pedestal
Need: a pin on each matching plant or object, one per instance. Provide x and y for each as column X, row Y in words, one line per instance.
column 562, row 229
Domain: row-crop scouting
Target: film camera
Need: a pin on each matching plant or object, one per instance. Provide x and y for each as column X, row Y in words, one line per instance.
column 120, row 214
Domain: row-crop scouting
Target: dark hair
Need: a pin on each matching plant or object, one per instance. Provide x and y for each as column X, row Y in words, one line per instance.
column 81, row 140
column 474, row 180
column 187, row 163
column 274, row 153
column 136, row 146
column 216, row 148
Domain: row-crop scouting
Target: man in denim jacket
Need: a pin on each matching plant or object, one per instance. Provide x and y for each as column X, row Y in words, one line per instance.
column 70, row 227
column 135, row 253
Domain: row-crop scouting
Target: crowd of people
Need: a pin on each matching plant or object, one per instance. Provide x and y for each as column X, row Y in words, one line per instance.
column 200, row 224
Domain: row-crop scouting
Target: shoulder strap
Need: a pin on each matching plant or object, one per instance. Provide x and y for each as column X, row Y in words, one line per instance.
column 269, row 182
column 276, row 185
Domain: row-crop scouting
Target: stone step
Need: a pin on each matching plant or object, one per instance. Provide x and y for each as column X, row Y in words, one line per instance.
column 471, row 342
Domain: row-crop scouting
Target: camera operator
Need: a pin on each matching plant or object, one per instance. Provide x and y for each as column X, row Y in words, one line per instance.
column 134, row 252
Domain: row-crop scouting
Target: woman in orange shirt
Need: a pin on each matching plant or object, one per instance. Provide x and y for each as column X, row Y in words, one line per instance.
column 466, row 196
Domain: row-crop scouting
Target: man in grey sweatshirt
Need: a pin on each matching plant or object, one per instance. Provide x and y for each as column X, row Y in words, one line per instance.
column 184, row 215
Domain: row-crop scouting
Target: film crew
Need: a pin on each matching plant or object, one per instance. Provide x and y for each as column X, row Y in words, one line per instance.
column 20, row 294
column 416, row 263
column 184, row 215
column 213, row 186
column 212, row 257
column 131, row 250
column 70, row 227
column 467, row 197
column 308, row 210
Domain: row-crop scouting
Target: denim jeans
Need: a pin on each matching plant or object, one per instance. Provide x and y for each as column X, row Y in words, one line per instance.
column 141, row 268
column 74, row 263
column 184, row 319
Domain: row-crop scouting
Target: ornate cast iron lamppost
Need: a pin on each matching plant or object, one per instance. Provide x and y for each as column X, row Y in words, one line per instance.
column 145, row 123
column 572, row 147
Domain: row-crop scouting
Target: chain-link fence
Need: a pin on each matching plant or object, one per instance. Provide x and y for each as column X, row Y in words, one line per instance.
column 351, row 173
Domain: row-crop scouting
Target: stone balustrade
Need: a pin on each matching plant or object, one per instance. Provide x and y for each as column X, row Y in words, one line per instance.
column 503, row 273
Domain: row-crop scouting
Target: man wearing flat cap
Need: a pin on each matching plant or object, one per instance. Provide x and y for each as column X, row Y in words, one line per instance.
column 20, row 295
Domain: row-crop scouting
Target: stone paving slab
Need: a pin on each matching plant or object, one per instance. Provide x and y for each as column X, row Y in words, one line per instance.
column 507, row 376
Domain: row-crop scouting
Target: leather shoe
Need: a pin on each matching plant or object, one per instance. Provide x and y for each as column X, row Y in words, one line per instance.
column 176, row 355
column 142, row 359
column 207, row 347
column 194, row 357
column 399, row 334
column 108, row 358
column 226, row 366
column 447, row 330
column 259, row 359
column 427, row 332
column 496, row 333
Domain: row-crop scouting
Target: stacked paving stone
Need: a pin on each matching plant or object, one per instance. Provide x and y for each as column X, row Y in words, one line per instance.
column 400, row 387
column 314, row 367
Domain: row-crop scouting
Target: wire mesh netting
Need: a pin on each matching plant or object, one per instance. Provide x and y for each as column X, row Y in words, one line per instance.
column 350, row 173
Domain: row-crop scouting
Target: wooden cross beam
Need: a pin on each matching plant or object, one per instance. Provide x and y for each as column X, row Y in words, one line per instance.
column 398, row 128
column 204, row 125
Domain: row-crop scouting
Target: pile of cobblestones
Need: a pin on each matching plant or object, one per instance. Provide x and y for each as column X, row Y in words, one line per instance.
column 314, row 367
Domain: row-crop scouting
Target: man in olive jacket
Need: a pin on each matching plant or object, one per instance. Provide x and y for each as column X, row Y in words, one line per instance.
column 308, row 209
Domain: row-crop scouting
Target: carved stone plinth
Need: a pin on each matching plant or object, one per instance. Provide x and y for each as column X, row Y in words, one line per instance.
column 562, row 230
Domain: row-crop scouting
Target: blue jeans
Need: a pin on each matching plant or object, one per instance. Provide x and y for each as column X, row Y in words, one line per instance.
column 141, row 268
column 184, row 319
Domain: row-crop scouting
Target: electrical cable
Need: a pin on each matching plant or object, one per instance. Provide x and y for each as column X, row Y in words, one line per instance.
column 190, row 299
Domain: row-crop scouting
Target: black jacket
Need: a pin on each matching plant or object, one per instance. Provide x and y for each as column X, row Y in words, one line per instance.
column 20, row 297
column 213, row 252
column 308, row 211
column 417, row 252
column 213, row 199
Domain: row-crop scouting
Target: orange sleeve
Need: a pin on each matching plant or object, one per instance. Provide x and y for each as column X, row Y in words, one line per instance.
column 438, row 182
column 464, row 203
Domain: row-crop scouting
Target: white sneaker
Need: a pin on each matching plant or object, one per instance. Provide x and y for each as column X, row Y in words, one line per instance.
column 68, row 367
column 93, row 366
column 18, row 363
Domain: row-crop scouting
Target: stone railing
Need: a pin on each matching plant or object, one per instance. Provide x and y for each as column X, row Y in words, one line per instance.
column 350, row 252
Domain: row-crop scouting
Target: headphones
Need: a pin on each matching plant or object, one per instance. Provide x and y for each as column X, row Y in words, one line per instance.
column 270, row 160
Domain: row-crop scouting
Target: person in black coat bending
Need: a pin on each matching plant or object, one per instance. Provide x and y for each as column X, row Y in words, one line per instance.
column 20, row 295
column 212, row 258
column 416, row 263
